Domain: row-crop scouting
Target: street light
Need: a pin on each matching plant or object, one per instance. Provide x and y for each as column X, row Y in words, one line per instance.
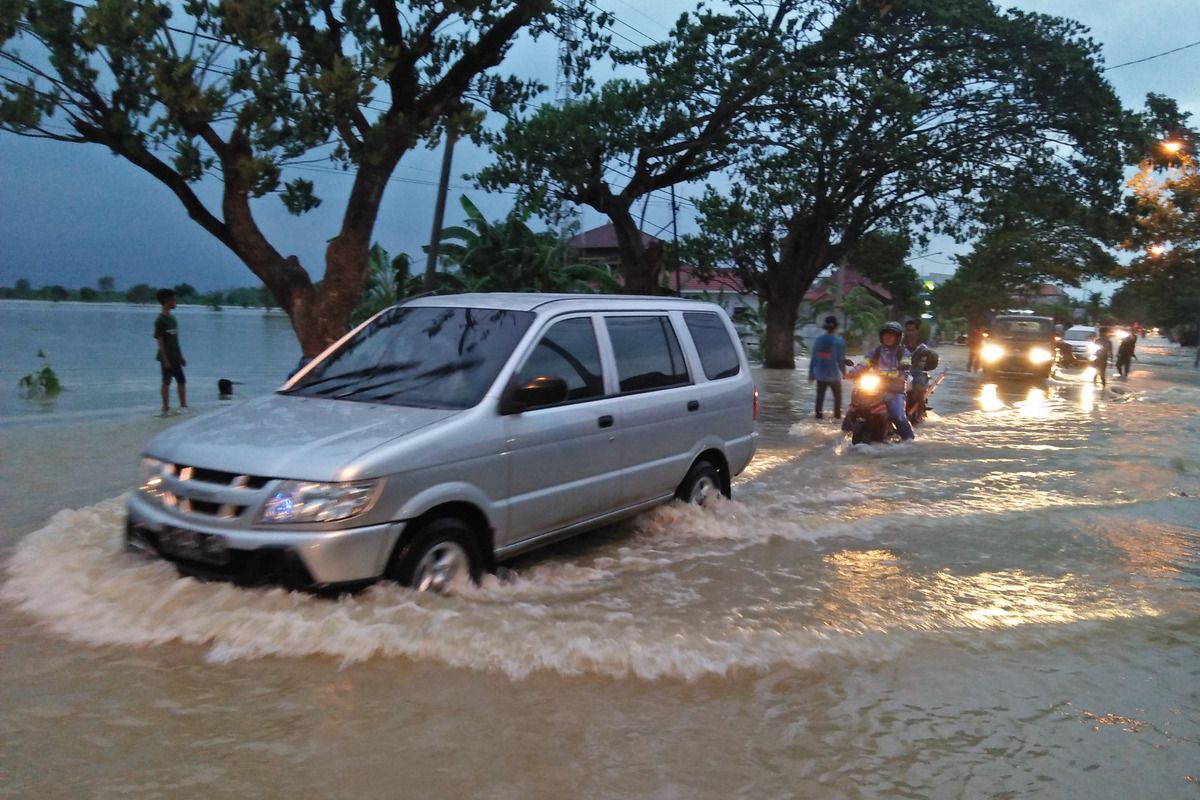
column 1172, row 146
column 1157, row 249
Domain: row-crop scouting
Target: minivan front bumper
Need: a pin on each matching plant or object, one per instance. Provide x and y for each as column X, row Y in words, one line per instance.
column 317, row 560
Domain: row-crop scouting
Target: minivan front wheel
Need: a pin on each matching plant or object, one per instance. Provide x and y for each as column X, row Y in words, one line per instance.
column 701, row 485
column 443, row 552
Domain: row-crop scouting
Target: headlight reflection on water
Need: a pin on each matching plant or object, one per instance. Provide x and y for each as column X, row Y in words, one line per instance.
column 878, row 591
column 988, row 399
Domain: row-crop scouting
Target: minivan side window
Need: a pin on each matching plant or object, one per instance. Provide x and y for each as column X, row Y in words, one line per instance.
column 717, row 354
column 647, row 352
column 567, row 350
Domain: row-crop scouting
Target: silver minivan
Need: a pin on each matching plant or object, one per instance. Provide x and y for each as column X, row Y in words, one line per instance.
column 447, row 434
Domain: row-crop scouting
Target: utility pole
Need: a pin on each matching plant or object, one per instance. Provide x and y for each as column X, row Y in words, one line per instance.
column 675, row 239
column 438, row 213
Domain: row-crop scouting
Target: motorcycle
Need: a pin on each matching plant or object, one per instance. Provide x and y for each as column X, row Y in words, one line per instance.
column 867, row 416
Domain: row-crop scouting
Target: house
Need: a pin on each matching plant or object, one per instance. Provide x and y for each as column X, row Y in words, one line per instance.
column 721, row 286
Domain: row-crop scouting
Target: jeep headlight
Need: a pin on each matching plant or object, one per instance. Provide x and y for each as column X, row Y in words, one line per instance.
column 992, row 352
column 1040, row 355
column 305, row 501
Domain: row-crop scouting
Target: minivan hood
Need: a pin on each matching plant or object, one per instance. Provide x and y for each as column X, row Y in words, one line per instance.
column 282, row 436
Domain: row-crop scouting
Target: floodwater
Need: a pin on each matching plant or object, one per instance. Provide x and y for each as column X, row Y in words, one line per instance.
column 1006, row 608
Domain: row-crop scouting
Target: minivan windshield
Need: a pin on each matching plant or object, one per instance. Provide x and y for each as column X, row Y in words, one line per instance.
column 419, row 356
column 1079, row 335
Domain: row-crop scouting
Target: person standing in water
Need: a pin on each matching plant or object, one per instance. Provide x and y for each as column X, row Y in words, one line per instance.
column 1125, row 354
column 170, row 357
column 1102, row 357
column 826, row 367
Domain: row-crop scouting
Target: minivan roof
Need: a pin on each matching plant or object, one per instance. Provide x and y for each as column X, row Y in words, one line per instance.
column 530, row 301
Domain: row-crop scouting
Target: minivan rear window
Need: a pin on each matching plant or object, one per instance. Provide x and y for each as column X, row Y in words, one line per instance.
column 647, row 352
column 717, row 354
column 410, row 356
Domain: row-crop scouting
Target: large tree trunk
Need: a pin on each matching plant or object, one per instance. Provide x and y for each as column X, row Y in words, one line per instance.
column 641, row 266
column 779, row 345
column 804, row 252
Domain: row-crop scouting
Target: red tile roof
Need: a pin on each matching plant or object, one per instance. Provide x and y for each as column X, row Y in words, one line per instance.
column 602, row 238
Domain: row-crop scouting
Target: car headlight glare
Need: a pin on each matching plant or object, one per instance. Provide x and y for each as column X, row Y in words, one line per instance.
column 1093, row 348
column 992, row 352
column 305, row 501
column 1040, row 355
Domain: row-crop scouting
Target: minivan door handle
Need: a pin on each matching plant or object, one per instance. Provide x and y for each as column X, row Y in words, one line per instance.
column 693, row 405
column 606, row 421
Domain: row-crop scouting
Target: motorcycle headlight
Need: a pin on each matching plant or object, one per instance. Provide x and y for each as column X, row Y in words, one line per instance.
column 1040, row 355
column 305, row 501
column 869, row 382
column 151, row 474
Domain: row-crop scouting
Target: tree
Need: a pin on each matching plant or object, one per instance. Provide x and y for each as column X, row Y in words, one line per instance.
column 509, row 256
column 1165, row 219
column 389, row 282
column 881, row 256
column 106, row 284
column 241, row 89
column 912, row 125
column 141, row 293
column 613, row 146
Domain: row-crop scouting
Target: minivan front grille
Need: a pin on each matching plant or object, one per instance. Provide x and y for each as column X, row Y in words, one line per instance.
column 214, row 493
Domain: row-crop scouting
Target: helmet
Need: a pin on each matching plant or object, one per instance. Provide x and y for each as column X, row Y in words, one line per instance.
column 891, row 327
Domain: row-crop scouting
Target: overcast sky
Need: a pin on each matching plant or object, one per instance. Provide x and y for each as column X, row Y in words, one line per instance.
column 70, row 214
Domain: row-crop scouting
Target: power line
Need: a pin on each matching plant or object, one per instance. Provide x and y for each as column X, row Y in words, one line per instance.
column 1149, row 58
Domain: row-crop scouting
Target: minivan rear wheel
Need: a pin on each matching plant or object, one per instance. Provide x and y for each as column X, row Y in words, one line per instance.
column 701, row 485
column 440, row 554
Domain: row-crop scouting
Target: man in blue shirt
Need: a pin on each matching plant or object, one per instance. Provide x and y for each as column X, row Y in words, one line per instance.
column 825, row 366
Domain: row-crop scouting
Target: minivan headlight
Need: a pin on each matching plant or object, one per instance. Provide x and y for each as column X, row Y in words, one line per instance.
column 305, row 501
column 150, row 477
column 992, row 352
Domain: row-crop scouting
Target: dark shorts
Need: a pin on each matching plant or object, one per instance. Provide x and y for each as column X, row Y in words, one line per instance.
column 174, row 371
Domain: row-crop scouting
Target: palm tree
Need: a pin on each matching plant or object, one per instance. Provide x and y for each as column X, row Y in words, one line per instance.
column 510, row 257
column 388, row 282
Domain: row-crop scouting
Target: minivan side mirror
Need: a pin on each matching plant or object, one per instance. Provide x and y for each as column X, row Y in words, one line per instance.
column 544, row 390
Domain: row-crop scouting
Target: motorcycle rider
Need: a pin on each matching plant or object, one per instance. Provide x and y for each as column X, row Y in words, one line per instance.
column 892, row 361
column 918, row 352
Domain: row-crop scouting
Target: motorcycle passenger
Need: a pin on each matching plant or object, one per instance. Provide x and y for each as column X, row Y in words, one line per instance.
column 918, row 352
column 891, row 360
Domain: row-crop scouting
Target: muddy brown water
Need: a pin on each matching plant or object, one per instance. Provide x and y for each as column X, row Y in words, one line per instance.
column 1007, row 608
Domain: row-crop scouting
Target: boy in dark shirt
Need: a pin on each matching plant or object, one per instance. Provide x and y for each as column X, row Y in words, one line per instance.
column 170, row 358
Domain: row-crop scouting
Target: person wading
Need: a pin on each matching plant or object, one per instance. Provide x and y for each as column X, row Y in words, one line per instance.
column 170, row 357
column 826, row 367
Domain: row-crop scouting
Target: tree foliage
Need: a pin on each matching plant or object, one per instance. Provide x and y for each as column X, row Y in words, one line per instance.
column 684, row 116
column 913, row 121
column 242, row 89
column 509, row 256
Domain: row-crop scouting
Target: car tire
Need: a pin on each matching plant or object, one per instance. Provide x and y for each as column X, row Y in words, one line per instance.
column 442, row 552
column 701, row 484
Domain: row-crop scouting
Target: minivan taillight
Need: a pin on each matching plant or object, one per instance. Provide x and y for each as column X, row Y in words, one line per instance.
column 755, row 402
